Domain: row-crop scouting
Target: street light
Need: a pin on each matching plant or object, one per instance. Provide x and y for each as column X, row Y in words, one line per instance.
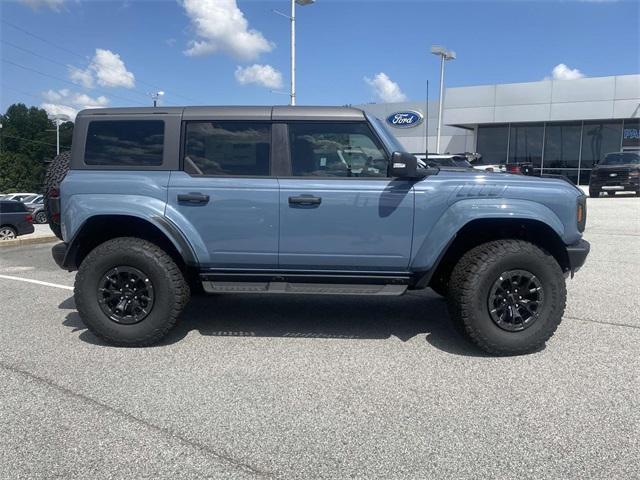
column 444, row 55
column 155, row 96
column 292, row 19
column 57, row 118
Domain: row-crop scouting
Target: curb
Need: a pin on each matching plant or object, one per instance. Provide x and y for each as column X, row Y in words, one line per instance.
column 18, row 242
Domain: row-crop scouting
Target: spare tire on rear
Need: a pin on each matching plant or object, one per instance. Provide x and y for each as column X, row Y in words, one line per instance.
column 55, row 174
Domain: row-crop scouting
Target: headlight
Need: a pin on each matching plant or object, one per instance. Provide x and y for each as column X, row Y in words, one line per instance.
column 634, row 174
column 581, row 213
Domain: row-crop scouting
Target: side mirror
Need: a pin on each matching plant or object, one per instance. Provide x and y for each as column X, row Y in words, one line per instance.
column 403, row 165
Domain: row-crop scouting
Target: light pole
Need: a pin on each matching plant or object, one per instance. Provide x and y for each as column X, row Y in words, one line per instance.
column 155, row 96
column 57, row 118
column 292, row 19
column 444, row 55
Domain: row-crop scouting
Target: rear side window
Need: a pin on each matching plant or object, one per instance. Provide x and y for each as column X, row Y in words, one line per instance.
column 11, row 206
column 125, row 143
column 227, row 148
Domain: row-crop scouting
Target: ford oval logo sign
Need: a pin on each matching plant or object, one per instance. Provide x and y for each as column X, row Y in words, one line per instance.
column 409, row 118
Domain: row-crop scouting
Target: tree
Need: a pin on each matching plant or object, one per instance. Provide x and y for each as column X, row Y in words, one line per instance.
column 27, row 143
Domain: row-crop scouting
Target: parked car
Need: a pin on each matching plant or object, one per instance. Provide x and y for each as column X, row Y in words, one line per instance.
column 36, row 207
column 20, row 197
column 617, row 172
column 154, row 203
column 15, row 220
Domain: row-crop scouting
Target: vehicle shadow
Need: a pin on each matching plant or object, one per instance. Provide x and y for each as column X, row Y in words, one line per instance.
column 297, row 316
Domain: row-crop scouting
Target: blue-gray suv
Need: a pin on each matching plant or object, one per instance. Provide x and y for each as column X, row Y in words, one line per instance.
column 154, row 203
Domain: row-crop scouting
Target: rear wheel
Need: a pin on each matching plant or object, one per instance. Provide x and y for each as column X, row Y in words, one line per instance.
column 130, row 292
column 507, row 296
column 55, row 174
column 41, row 217
column 8, row 233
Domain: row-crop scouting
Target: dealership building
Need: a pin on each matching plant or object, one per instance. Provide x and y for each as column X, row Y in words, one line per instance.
column 561, row 126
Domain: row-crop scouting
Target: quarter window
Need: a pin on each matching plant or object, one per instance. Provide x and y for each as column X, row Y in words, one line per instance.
column 227, row 148
column 125, row 143
column 335, row 150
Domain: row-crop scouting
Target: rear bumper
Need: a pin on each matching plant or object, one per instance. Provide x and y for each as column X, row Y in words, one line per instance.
column 577, row 253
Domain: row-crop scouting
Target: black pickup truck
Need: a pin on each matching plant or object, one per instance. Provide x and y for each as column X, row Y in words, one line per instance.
column 617, row 172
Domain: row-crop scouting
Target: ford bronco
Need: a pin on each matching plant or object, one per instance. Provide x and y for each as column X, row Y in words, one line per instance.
column 154, row 203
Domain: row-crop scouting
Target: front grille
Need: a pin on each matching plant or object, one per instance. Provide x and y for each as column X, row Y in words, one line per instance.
column 613, row 175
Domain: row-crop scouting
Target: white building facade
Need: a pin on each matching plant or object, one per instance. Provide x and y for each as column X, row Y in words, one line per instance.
column 561, row 126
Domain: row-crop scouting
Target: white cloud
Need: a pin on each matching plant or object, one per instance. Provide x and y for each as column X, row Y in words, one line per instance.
column 54, row 5
column 106, row 68
column 221, row 27
column 562, row 72
column 81, row 77
column 69, row 103
column 264, row 75
column 385, row 89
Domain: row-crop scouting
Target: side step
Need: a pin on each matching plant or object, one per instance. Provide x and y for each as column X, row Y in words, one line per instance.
column 302, row 288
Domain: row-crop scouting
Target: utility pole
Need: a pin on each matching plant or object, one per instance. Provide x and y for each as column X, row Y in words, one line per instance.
column 444, row 55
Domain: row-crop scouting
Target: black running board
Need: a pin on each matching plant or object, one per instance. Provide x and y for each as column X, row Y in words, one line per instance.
column 299, row 288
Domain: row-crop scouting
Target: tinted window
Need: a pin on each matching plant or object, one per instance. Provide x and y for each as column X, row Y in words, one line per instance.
column 492, row 144
column 598, row 139
column 525, row 144
column 125, row 143
column 334, row 149
column 227, row 148
column 621, row 159
column 562, row 145
column 11, row 206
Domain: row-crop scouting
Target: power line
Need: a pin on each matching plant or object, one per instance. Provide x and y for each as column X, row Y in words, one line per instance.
column 67, row 81
column 64, row 49
column 59, row 63
column 33, row 141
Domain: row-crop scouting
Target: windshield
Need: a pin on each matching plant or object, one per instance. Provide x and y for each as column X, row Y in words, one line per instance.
column 390, row 141
column 621, row 159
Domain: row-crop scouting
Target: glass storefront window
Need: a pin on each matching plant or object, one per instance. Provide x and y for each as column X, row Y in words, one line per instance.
column 492, row 143
column 562, row 145
column 525, row 144
column 631, row 134
column 598, row 139
column 570, row 173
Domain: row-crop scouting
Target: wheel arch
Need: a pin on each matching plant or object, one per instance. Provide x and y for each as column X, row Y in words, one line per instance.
column 482, row 230
column 97, row 229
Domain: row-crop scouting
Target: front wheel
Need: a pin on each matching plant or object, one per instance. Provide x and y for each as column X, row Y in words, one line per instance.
column 130, row 292
column 507, row 296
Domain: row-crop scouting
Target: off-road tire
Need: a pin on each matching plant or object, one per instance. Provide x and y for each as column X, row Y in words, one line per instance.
column 171, row 291
column 470, row 284
column 56, row 172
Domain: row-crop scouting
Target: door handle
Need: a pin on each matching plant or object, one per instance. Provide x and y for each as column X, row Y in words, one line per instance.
column 193, row 197
column 308, row 200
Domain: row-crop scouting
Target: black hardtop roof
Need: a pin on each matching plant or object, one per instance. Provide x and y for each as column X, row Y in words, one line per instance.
column 237, row 112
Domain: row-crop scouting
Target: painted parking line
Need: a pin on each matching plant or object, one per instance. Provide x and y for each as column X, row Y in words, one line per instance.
column 37, row 282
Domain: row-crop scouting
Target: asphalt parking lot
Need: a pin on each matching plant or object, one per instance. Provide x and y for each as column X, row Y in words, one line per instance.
column 324, row 387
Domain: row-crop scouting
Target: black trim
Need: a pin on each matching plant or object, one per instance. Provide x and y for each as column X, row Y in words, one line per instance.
column 59, row 253
column 183, row 246
column 577, row 254
column 280, row 154
column 425, row 276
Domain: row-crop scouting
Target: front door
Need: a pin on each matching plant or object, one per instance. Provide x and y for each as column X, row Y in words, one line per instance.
column 339, row 210
column 225, row 197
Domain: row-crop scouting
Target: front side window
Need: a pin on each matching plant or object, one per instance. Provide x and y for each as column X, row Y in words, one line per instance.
column 333, row 149
column 227, row 148
column 125, row 143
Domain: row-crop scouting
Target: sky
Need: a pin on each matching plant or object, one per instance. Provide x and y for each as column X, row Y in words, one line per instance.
column 65, row 55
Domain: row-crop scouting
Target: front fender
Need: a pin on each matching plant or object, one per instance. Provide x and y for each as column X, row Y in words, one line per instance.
column 460, row 213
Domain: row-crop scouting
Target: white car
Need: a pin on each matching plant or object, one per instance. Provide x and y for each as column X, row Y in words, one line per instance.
column 21, row 197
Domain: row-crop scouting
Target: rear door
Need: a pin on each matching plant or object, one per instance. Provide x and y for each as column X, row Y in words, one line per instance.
column 339, row 210
column 226, row 194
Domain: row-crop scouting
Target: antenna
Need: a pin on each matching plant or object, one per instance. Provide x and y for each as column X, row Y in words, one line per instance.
column 426, row 128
